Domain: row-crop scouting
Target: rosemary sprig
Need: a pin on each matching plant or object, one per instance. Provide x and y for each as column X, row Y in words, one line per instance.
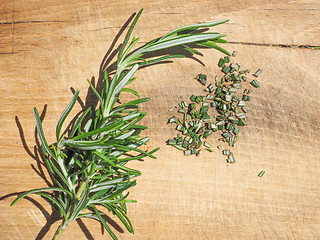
column 88, row 166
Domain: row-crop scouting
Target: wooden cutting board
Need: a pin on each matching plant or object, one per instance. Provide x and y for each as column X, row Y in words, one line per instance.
column 49, row 47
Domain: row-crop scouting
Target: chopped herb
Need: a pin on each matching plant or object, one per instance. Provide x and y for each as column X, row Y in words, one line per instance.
column 196, row 123
column 246, row 98
column 207, row 145
column 225, row 69
column 187, row 152
column 255, row 83
column 236, row 130
column 234, row 67
column 199, row 153
column 173, row 119
column 226, row 134
column 209, row 97
column 207, row 133
column 241, row 115
column 258, row 72
column 241, row 122
column 231, row 158
column 226, row 152
column 193, row 151
column 202, row 79
column 241, row 103
column 221, row 62
column 209, row 88
column 172, row 142
column 243, row 78
column 178, row 147
column 193, row 98
column 261, row 173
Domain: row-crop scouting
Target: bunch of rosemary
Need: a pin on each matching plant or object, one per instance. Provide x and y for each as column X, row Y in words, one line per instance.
column 87, row 165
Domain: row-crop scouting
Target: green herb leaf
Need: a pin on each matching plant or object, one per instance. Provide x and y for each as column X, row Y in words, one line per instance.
column 66, row 113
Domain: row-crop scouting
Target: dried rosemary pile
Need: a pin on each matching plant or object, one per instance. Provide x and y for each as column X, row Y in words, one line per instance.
column 222, row 109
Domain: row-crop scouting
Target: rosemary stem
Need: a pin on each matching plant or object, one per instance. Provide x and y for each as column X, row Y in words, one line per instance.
column 60, row 230
column 132, row 57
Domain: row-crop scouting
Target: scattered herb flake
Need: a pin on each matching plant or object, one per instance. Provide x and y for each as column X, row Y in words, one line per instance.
column 197, row 123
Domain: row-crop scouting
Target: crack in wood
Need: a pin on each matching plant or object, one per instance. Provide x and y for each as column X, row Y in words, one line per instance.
column 315, row 47
column 12, row 50
column 17, row 22
column 7, row 53
column 170, row 13
column 17, row 51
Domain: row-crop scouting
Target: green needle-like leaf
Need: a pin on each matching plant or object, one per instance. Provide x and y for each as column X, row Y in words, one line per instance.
column 65, row 113
column 181, row 41
column 116, row 125
column 55, row 189
column 98, row 213
column 121, row 215
column 129, row 90
column 161, row 59
column 54, row 203
column 126, row 40
column 41, row 134
column 193, row 27
column 96, row 93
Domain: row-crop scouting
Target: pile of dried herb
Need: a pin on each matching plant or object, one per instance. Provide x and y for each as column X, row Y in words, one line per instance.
column 223, row 109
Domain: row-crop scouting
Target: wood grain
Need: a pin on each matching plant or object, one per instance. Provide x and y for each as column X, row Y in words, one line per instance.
column 49, row 47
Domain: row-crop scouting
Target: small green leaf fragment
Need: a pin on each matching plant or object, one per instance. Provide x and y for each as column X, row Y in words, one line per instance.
column 255, row 83
column 231, row 158
column 199, row 153
column 221, row 62
column 258, row 72
column 225, row 69
column 246, row 98
column 202, row 78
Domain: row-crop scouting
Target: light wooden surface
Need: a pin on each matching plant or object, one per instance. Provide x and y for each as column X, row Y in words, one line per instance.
column 48, row 47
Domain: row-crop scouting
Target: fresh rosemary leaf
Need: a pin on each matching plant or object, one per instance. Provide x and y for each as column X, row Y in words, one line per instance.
column 128, row 35
column 98, row 214
column 193, row 27
column 160, row 59
column 41, row 134
column 53, row 202
column 96, row 93
column 65, row 114
column 182, row 40
column 129, row 90
column 41, row 190
column 111, row 127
